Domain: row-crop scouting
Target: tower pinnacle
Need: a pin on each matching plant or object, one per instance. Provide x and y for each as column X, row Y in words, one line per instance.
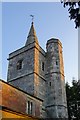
column 32, row 35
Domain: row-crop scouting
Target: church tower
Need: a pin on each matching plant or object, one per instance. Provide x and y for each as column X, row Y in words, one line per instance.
column 40, row 74
column 56, row 106
column 26, row 68
column 21, row 64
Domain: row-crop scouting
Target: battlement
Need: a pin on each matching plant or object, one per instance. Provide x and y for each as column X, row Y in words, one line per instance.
column 54, row 40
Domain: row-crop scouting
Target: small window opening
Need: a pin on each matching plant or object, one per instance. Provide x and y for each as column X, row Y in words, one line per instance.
column 50, row 83
column 56, row 62
column 43, row 66
column 19, row 64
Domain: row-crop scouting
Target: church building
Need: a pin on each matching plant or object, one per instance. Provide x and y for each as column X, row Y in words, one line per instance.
column 41, row 74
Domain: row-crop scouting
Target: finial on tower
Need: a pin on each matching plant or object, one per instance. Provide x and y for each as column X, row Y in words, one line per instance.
column 32, row 34
column 32, row 18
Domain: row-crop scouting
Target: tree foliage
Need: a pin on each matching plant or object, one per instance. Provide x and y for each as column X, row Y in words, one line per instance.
column 73, row 100
column 74, row 11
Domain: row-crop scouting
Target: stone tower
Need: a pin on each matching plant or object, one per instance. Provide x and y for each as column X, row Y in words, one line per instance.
column 40, row 73
column 55, row 81
column 26, row 68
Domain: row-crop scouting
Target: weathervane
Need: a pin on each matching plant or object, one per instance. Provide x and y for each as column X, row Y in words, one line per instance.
column 32, row 17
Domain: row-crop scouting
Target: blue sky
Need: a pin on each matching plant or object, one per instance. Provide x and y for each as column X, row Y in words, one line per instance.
column 51, row 20
column 1, row 39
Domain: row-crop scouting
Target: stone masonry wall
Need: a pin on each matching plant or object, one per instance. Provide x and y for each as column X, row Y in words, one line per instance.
column 27, row 58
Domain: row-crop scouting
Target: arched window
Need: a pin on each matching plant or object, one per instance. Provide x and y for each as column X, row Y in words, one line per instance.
column 19, row 64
